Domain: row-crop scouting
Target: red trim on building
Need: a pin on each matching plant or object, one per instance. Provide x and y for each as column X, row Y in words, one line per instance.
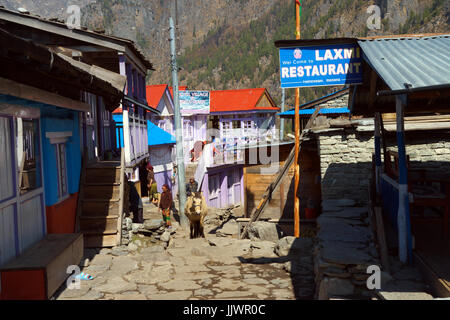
column 23, row 285
column 61, row 217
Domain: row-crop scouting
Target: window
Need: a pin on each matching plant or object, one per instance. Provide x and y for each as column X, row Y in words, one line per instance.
column 61, row 170
column 226, row 129
column 236, row 124
column 187, row 129
column 248, row 126
column 28, row 155
column 214, row 186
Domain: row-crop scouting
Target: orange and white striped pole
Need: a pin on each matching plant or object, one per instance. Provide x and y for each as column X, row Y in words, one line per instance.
column 298, row 6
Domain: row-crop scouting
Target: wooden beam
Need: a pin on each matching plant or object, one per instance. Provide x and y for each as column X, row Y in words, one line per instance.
column 382, row 239
column 373, row 89
column 403, row 223
column 19, row 90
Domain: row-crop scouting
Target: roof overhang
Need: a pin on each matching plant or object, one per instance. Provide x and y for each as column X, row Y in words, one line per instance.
column 21, row 91
column 38, row 66
column 140, row 104
column 83, row 35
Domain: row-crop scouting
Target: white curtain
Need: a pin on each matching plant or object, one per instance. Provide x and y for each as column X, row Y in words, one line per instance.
column 6, row 164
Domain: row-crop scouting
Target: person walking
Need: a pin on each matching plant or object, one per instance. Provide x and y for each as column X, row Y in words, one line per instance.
column 165, row 204
column 152, row 186
column 191, row 187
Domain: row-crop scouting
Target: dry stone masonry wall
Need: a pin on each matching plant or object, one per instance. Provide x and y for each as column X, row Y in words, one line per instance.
column 346, row 159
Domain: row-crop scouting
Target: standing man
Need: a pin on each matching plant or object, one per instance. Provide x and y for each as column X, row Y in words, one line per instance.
column 191, row 187
column 152, row 186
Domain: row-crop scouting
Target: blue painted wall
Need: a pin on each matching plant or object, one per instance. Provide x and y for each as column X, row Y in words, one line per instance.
column 59, row 120
column 118, row 123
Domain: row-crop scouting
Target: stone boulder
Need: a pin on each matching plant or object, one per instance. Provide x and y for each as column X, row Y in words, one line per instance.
column 291, row 245
column 128, row 223
column 136, row 226
column 266, row 231
column 153, row 224
column 165, row 237
column 229, row 228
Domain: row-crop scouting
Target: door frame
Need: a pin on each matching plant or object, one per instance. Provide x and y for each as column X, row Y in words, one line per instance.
column 17, row 200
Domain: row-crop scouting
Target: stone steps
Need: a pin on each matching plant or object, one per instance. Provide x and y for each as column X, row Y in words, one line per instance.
column 344, row 251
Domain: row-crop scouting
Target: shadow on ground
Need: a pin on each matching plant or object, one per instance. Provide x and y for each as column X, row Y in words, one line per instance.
column 296, row 255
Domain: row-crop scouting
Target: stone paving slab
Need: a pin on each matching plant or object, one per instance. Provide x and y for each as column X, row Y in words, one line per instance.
column 211, row 268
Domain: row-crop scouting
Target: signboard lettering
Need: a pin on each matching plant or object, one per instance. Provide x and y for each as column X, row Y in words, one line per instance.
column 320, row 66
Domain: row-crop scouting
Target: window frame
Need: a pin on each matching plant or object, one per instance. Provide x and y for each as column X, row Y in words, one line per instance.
column 62, row 174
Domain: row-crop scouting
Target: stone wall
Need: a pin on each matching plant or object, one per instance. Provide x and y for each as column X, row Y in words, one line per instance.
column 345, row 164
column 346, row 159
column 426, row 150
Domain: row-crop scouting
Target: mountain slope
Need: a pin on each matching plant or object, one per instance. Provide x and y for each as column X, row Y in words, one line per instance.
column 229, row 43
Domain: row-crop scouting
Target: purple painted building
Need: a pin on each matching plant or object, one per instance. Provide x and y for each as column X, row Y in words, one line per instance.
column 160, row 98
column 238, row 118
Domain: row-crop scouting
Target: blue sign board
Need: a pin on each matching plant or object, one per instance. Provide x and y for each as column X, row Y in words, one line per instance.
column 315, row 66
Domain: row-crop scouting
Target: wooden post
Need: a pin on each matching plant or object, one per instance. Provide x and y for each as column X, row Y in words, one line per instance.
column 404, row 235
column 377, row 152
column 297, row 136
column 382, row 239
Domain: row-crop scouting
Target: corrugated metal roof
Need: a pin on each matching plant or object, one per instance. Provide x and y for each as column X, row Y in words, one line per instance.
column 414, row 62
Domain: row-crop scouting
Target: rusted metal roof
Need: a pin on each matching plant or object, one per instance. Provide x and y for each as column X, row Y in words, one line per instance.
column 410, row 63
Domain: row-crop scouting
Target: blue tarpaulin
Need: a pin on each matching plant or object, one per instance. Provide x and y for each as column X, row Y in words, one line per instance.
column 157, row 136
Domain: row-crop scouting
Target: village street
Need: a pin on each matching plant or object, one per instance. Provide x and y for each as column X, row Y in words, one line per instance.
column 218, row 267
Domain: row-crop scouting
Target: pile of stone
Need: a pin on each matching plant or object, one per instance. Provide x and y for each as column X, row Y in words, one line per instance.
column 127, row 234
column 153, row 229
column 217, row 216
column 343, row 252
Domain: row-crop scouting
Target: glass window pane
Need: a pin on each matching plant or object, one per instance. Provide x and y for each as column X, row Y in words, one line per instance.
column 28, row 155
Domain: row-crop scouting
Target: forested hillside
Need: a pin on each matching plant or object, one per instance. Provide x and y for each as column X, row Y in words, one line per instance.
column 231, row 57
column 229, row 43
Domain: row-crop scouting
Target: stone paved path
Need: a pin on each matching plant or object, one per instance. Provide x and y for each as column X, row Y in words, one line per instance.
column 211, row 268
